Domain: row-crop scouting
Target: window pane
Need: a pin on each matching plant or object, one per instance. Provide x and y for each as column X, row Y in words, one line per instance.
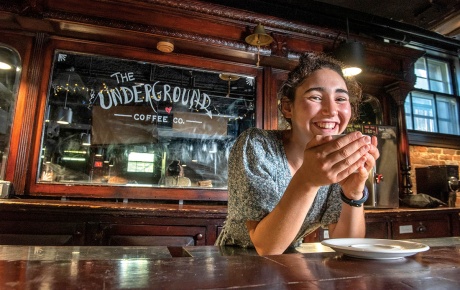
column 408, row 112
column 424, row 112
column 447, row 115
column 122, row 122
column 420, row 68
column 10, row 68
column 420, row 72
column 421, row 83
column 439, row 76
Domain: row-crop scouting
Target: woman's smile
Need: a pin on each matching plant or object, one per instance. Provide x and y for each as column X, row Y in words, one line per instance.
column 326, row 125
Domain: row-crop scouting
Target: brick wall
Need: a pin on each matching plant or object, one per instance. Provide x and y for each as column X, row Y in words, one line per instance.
column 421, row 156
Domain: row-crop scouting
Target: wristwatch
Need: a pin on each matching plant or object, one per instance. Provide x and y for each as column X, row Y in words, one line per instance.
column 355, row 203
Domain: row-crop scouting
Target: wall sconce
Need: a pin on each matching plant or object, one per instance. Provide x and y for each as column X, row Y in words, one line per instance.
column 165, row 46
column 351, row 53
column 259, row 38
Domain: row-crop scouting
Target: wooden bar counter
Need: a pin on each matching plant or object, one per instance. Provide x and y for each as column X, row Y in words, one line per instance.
column 311, row 266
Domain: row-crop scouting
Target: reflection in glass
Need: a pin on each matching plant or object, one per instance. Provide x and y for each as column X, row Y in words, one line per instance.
column 132, row 119
column 9, row 83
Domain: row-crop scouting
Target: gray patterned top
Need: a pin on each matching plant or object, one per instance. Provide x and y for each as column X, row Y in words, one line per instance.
column 258, row 174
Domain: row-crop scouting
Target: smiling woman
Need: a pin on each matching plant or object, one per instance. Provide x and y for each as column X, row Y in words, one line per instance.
column 285, row 184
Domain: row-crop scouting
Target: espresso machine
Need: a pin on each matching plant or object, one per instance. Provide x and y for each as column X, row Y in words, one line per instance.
column 383, row 182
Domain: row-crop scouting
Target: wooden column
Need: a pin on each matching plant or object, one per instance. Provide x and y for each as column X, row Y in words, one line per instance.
column 399, row 90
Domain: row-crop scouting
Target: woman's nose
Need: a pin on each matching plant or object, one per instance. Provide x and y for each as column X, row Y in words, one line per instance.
column 329, row 108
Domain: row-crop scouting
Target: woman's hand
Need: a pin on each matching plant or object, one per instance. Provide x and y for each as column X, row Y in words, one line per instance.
column 353, row 185
column 346, row 160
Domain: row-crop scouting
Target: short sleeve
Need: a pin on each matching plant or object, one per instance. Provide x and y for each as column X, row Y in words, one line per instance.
column 252, row 175
column 255, row 169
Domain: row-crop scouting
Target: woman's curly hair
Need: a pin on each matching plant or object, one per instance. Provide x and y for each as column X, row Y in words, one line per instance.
column 310, row 62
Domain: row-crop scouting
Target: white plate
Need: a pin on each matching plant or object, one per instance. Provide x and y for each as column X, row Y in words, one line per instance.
column 375, row 248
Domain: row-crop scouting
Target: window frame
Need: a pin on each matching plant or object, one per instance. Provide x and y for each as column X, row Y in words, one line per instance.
column 436, row 139
column 128, row 192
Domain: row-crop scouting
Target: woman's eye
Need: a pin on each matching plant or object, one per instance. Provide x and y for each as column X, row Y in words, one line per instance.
column 315, row 98
column 341, row 99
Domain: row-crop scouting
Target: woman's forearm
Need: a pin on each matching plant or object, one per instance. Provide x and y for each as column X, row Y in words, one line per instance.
column 275, row 233
column 351, row 223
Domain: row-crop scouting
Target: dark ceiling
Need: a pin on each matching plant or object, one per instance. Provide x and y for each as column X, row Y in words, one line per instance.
column 441, row 16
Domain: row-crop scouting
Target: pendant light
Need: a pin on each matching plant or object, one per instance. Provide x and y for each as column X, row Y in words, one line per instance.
column 70, row 81
column 86, row 139
column 65, row 114
column 351, row 53
column 259, row 38
column 8, row 59
column 229, row 78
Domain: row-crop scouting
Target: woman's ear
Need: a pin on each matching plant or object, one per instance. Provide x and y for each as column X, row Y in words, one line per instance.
column 285, row 107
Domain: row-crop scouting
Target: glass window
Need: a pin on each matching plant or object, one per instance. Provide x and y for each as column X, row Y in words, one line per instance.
column 436, row 108
column 421, row 73
column 439, row 76
column 408, row 112
column 9, row 82
column 423, row 111
column 433, row 75
column 122, row 122
column 447, row 110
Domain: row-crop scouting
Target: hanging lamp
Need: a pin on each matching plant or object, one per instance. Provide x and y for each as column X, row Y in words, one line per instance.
column 65, row 114
column 351, row 53
column 229, row 78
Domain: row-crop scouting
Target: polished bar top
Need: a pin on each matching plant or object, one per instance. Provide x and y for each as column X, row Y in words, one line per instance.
column 310, row 266
column 153, row 208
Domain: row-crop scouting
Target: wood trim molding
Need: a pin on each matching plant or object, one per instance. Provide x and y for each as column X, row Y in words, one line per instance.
column 294, row 34
column 28, row 120
column 434, row 140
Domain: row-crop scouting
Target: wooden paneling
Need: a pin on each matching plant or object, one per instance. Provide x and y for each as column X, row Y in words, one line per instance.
column 153, row 235
column 41, row 233
column 422, row 227
column 105, row 223
column 378, row 230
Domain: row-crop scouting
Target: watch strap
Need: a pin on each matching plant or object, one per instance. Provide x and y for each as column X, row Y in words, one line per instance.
column 355, row 203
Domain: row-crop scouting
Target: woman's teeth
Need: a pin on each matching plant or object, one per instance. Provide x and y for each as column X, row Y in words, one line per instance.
column 326, row 125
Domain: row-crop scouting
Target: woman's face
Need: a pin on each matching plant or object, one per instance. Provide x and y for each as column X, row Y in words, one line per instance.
column 321, row 105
